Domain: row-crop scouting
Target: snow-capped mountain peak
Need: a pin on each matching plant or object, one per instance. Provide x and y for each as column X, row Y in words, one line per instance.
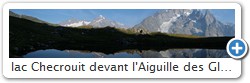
column 186, row 21
column 102, row 17
column 74, row 23
column 99, row 21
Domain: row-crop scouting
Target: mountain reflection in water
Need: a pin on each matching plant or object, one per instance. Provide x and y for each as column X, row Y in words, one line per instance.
column 170, row 53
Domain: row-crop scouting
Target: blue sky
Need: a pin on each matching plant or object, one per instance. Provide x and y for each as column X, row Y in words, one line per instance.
column 226, row 16
column 128, row 17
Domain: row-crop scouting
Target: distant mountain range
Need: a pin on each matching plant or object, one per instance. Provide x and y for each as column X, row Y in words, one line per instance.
column 186, row 21
column 98, row 22
column 174, row 21
column 74, row 23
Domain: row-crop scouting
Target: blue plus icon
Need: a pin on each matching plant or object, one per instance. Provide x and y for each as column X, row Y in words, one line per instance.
column 237, row 48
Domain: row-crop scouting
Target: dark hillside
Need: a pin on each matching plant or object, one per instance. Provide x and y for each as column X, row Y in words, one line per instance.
column 27, row 36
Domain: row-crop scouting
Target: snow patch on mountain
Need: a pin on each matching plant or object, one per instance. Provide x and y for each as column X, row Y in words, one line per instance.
column 187, row 13
column 99, row 21
column 193, row 21
column 197, row 30
column 164, row 27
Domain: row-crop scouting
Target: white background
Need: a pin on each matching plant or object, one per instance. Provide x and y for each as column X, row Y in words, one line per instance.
column 243, row 79
column 229, row 63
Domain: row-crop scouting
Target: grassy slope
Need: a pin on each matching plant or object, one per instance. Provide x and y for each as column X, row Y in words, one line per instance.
column 27, row 36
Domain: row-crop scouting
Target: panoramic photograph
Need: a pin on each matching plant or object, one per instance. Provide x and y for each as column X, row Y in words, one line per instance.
column 120, row 33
